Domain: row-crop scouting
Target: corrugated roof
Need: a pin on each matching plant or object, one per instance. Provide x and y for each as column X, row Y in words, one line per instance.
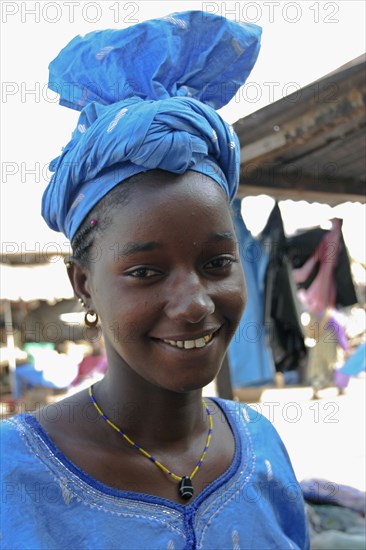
column 310, row 144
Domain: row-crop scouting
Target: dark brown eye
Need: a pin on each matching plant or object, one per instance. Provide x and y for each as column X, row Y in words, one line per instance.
column 142, row 273
column 220, row 263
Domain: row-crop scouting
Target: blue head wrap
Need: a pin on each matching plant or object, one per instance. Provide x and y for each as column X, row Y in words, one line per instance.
column 147, row 96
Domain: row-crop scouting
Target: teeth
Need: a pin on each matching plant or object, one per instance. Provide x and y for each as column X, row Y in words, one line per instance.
column 190, row 344
column 200, row 343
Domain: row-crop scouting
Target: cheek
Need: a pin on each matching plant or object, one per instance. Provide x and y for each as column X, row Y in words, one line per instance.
column 236, row 302
column 120, row 325
column 232, row 297
column 126, row 316
column 243, row 293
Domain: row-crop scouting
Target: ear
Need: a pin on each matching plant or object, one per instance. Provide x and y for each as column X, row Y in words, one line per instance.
column 79, row 277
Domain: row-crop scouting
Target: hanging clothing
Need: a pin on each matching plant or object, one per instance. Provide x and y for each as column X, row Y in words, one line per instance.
column 303, row 246
column 323, row 355
column 281, row 307
column 250, row 358
column 320, row 299
column 321, row 293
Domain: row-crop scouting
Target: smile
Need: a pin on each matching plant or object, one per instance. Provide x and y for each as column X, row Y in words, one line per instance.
column 190, row 344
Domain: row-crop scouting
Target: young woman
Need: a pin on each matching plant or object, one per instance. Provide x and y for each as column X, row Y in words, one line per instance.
column 142, row 191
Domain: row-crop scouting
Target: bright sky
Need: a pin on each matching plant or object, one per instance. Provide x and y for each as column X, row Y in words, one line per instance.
column 302, row 41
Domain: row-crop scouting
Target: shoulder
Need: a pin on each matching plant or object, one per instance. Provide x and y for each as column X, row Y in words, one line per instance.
column 27, row 457
column 15, row 431
column 256, row 431
column 248, row 416
column 67, row 418
column 12, row 428
column 16, row 434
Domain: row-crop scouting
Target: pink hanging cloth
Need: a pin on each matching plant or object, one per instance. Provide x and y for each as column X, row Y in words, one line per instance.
column 321, row 294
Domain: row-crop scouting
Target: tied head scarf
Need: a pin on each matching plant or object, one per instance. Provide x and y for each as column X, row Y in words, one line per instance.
column 147, row 96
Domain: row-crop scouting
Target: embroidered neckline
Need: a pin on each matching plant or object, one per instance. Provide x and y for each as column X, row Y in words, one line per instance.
column 84, row 481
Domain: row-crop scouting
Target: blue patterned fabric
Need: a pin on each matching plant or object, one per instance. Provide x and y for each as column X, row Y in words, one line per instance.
column 49, row 503
column 148, row 96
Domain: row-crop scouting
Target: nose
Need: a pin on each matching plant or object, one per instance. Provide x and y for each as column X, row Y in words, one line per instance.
column 188, row 300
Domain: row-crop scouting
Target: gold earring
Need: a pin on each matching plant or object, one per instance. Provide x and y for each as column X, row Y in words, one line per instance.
column 68, row 261
column 91, row 322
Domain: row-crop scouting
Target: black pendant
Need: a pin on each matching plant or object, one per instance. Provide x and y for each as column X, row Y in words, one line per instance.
column 186, row 488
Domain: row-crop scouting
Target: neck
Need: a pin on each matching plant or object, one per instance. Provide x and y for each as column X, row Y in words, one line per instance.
column 149, row 413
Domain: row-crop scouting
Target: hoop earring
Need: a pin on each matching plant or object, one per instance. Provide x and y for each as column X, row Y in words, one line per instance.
column 91, row 322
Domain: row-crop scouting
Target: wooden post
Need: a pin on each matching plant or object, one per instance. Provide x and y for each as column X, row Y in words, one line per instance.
column 10, row 344
column 223, row 381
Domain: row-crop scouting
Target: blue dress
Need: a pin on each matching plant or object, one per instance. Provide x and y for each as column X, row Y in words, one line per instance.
column 49, row 503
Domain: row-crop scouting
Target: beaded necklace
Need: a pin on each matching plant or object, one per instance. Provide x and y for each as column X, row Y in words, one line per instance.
column 185, row 482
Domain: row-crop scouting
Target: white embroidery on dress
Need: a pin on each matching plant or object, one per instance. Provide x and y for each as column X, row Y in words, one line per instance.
column 150, row 512
column 114, row 122
column 236, row 484
column 246, row 415
column 170, row 545
column 66, row 493
column 231, row 145
column 269, row 469
column 235, row 537
column 214, row 136
column 82, row 128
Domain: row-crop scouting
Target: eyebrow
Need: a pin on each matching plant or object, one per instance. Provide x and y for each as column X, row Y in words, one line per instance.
column 225, row 236
column 133, row 248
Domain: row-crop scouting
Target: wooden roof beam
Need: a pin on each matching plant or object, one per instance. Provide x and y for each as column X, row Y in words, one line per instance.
column 302, row 187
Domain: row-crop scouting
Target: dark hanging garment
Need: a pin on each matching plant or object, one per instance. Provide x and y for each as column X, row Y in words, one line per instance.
column 302, row 246
column 281, row 307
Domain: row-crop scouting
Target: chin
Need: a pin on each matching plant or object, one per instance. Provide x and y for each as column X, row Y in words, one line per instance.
column 190, row 388
column 198, row 383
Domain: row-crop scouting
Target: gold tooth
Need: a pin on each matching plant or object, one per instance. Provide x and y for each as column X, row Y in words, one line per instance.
column 207, row 338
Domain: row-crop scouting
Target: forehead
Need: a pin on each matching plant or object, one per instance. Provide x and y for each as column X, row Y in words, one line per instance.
column 165, row 204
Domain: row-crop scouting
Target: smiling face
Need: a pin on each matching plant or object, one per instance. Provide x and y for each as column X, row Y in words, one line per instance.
column 168, row 285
